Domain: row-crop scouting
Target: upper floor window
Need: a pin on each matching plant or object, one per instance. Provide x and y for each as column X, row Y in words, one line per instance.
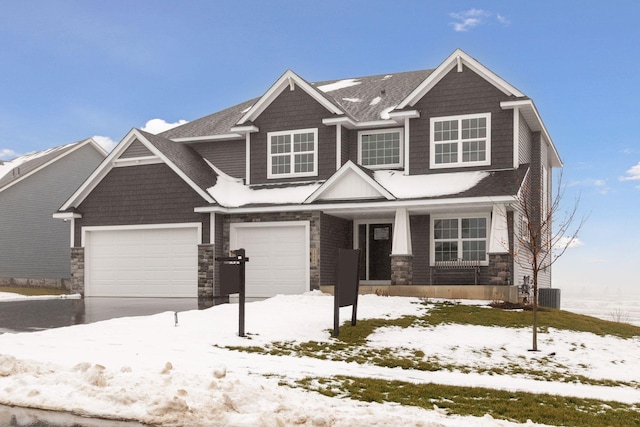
column 380, row 148
column 461, row 141
column 292, row 153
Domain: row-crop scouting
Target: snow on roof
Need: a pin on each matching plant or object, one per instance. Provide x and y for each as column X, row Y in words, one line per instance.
column 433, row 185
column 340, row 84
column 232, row 193
column 7, row 167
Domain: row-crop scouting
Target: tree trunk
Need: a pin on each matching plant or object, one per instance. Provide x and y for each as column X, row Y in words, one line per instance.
column 535, row 310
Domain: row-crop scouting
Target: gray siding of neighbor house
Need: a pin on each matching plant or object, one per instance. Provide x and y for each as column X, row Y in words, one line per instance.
column 228, row 156
column 34, row 245
column 289, row 111
column 147, row 194
column 457, row 94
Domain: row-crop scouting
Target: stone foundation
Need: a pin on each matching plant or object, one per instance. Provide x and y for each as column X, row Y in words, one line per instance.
column 206, row 270
column 500, row 270
column 401, row 270
column 77, row 270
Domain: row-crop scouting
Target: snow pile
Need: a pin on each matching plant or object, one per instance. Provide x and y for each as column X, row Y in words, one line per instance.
column 340, row 84
column 10, row 296
column 148, row 369
column 414, row 186
column 8, row 166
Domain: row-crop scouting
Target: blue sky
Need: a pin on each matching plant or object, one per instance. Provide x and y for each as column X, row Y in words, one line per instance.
column 76, row 69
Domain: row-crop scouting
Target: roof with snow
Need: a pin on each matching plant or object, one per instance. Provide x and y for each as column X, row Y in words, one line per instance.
column 13, row 170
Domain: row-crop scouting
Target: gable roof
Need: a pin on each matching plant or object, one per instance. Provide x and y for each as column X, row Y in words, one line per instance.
column 183, row 160
column 13, row 171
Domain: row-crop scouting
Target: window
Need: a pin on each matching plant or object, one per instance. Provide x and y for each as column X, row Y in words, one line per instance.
column 460, row 238
column 292, row 153
column 381, row 148
column 461, row 141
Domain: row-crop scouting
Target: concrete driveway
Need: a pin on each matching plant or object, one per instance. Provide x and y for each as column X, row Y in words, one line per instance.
column 35, row 315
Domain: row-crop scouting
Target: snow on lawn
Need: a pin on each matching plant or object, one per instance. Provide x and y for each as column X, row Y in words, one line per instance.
column 10, row 296
column 148, row 369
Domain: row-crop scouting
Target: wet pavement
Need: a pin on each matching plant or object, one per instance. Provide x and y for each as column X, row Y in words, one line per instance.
column 35, row 315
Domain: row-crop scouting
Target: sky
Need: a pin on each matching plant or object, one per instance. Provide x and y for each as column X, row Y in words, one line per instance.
column 77, row 69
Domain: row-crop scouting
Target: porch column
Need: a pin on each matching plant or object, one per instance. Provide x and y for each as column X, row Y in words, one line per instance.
column 77, row 270
column 401, row 252
column 499, row 249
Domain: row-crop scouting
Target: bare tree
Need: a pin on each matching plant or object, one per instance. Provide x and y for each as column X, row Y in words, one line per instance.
column 547, row 231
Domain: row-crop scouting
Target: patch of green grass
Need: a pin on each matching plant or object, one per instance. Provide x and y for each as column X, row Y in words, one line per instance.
column 30, row 291
column 476, row 401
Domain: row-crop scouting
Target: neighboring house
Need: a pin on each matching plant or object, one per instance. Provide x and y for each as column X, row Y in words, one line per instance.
column 417, row 169
column 34, row 247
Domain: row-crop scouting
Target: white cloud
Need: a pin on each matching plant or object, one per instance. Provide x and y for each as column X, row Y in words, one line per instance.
column 105, row 142
column 7, row 153
column 568, row 242
column 633, row 174
column 156, row 126
column 468, row 19
column 471, row 18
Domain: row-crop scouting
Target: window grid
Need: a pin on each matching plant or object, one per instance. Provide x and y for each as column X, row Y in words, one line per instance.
column 292, row 153
column 382, row 148
column 460, row 141
column 460, row 238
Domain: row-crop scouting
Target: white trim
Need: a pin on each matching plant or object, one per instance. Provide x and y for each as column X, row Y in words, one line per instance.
column 212, row 228
column 457, row 59
column 133, row 227
column 460, row 141
column 208, row 138
column 233, row 237
column 247, row 159
column 287, row 80
column 356, row 244
column 108, row 163
column 367, row 207
column 66, row 215
column 401, row 143
column 516, row 137
column 292, row 154
column 338, row 145
column 533, row 119
column 401, row 233
column 245, row 129
column 72, row 232
column 407, row 145
column 335, row 179
column 137, row 161
column 459, row 216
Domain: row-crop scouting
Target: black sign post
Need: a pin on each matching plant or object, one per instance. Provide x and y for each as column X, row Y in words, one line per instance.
column 346, row 286
column 232, row 281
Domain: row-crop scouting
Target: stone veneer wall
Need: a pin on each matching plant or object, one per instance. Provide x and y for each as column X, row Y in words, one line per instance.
column 314, row 238
column 401, row 269
column 206, row 270
column 77, row 270
column 500, row 269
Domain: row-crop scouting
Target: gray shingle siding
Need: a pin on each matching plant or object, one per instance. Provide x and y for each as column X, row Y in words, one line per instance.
column 289, row 111
column 136, row 149
column 228, row 156
column 148, row 194
column 420, row 238
column 34, row 245
column 457, row 94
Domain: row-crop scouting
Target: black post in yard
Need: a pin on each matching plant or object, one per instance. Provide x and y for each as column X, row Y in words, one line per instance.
column 232, row 280
column 347, row 285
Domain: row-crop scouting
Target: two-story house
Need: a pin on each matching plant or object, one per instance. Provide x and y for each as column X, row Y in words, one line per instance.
column 419, row 170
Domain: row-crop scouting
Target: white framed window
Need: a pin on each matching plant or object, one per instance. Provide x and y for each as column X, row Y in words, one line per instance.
column 381, row 148
column 463, row 237
column 292, row 153
column 460, row 141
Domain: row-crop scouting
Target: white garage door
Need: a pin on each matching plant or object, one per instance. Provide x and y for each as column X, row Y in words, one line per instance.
column 278, row 255
column 148, row 262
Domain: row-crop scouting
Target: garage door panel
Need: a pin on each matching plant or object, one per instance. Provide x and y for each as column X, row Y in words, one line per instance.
column 142, row 262
column 278, row 258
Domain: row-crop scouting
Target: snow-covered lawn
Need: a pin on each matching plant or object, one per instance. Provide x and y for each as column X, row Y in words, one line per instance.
column 149, row 369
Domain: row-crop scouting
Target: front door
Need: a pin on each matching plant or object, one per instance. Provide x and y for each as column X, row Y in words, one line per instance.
column 374, row 241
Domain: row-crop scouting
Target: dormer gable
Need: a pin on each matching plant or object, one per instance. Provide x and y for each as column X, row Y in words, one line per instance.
column 348, row 183
column 457, row 60
column 288, row 81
